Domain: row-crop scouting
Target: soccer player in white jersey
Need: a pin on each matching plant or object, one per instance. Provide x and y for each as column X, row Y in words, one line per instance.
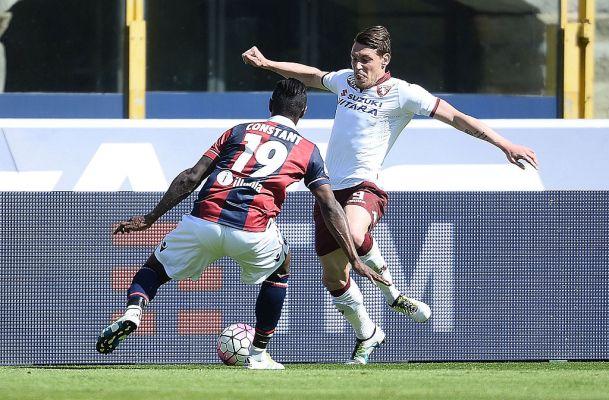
column 373, row 108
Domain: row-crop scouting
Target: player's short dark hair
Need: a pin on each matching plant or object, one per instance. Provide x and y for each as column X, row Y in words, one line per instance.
column 289, row 98
column 375, row 37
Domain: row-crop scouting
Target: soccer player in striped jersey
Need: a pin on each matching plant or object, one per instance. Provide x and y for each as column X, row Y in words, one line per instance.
column 372, row 110
column 248, row 170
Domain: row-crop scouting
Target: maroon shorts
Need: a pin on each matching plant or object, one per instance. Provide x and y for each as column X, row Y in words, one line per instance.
column 366, row 195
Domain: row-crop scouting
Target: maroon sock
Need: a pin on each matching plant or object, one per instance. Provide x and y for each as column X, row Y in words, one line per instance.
column 340, row 292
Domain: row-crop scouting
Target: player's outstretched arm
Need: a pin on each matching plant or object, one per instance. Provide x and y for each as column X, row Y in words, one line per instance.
column 337, row 224
column 310, row 76
column 478, row 129
column 181, row 187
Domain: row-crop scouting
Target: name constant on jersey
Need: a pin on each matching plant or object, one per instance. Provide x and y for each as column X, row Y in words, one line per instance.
column 226, row 177
column 283, row 134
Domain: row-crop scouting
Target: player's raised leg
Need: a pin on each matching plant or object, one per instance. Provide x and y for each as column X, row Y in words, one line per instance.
column 415, row 309
column 143, row 288
column 359, row 222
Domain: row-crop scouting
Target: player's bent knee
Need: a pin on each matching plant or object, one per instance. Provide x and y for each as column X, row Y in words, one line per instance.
column 154, row 264
column 358, row 236
column 335, row 282
column 284, row 269
column 336, row 269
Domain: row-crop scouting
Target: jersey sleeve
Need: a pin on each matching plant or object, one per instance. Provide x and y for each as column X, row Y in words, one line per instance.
column 315, row 175
column 333, row 81
column 214, row 151
column 416, row 100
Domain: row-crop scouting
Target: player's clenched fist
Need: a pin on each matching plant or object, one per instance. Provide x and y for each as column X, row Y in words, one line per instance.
column 137, row 223
column 255, row 58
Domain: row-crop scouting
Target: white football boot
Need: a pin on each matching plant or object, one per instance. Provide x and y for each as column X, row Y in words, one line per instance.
column 111, row 336
column 363, row 348
column 262, row 361
column 415, row 309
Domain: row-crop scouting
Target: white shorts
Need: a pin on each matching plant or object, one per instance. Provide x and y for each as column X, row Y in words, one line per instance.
column 195, row 243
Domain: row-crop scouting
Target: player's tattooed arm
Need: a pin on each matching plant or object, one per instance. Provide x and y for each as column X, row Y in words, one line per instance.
column 478, row 129
column 336, row 221
column 477, row 134
column 181, row 187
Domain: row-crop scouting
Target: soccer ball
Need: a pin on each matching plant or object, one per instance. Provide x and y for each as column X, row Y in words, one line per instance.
column 234, row 344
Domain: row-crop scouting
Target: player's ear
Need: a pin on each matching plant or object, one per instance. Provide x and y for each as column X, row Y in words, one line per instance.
column 386, row 58
column 304, row 110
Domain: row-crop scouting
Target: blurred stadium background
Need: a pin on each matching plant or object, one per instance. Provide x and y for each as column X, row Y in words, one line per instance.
column 514, row 263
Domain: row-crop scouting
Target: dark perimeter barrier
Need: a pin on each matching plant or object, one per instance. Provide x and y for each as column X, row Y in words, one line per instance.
column 509, row 276
column 240, row 105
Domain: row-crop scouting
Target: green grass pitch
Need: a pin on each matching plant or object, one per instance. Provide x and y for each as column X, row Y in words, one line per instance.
column 538, row 380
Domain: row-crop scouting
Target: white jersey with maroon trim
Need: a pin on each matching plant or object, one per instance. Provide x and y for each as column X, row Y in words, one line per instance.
column 367, row 123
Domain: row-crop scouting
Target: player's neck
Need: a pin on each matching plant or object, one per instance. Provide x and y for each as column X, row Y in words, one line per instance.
column 385, row 76
column 381, row 77
column 293, row 119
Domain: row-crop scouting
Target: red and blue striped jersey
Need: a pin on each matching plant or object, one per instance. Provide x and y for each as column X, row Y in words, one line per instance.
column 253, row 164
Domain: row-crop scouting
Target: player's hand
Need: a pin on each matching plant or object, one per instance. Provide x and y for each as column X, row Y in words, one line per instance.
column 255, row 58
column 362, row 269
column 516, row 152
column 137, row 223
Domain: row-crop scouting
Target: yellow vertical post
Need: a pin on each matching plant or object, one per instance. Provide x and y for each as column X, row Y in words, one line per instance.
column 570, row 67
column 586, row 46
column 136, row 26
column 578, row 61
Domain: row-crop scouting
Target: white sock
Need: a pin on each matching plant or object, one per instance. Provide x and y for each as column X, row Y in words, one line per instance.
column 351, row 305
column 374, row 259
column 135, row 313
column 256, row 352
